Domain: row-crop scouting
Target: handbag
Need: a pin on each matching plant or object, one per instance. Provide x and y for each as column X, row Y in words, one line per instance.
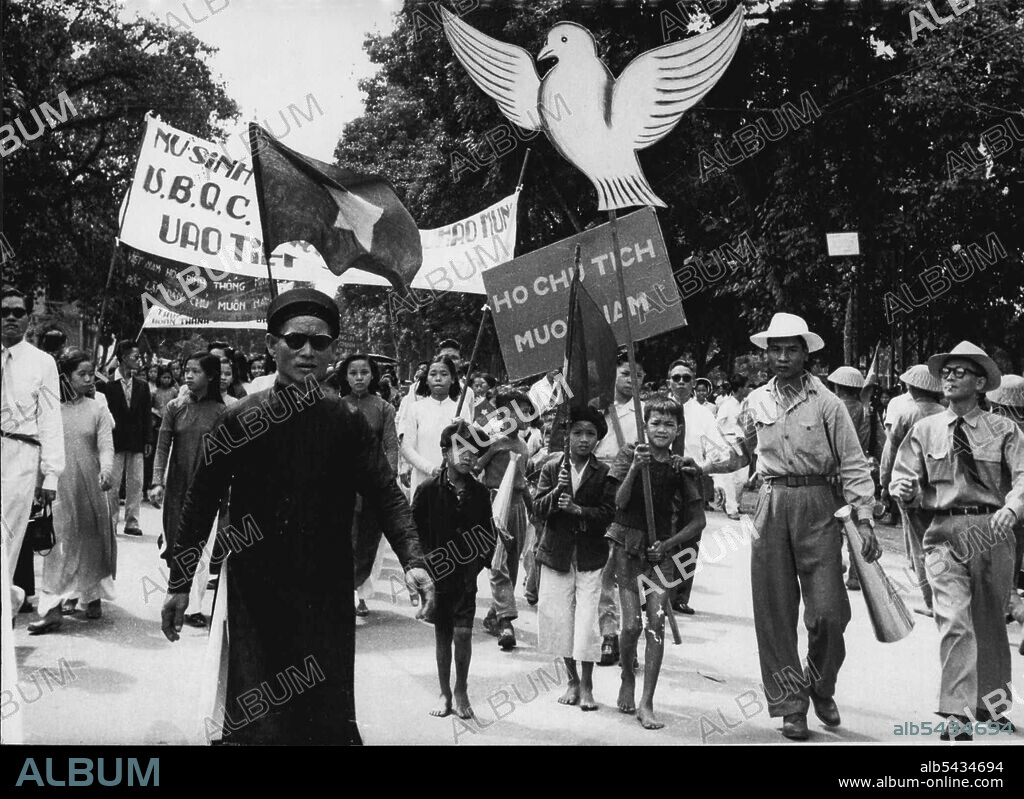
column 39, row 533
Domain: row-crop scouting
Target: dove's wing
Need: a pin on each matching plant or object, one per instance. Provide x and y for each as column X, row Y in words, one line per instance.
column 656, row 88
column 504, row 71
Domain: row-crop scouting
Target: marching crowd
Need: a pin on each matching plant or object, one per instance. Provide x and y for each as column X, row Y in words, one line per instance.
column 575, row 535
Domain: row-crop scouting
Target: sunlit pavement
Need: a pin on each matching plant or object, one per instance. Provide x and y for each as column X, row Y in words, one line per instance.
column 117, row 680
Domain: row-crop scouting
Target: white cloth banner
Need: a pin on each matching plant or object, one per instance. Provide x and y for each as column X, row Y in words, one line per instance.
column 159, row 316
column 456, row 255
column 192, row 203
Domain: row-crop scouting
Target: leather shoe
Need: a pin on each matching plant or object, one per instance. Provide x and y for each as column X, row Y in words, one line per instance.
column 50, row 622
column 609, row 651
column 794, row 726
column 983, row 715
column 826, row 710
column 507, row 639
column 682, row 607
column 132, row 531
column 94, row 610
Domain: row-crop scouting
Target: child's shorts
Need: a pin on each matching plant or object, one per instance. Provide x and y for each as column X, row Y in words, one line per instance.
column 458, row 607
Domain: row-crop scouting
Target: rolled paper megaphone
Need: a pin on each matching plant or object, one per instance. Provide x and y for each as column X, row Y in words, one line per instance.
column 889, row 615
column 500, row 507
column 10, row 730
column 213, row 678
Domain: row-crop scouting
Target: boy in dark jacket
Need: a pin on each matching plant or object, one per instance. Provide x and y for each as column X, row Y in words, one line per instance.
column 576, row 502
column 452, row 512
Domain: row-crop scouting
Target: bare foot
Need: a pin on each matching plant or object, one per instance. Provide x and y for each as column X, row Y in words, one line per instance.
column 462, row 707
column 587, row 700
column 645, row 715
column 627, row 701
column 571, row 695
column 444, row 707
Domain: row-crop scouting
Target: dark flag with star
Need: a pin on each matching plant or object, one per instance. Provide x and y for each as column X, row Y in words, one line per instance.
column 589, row 368
column 353, row 220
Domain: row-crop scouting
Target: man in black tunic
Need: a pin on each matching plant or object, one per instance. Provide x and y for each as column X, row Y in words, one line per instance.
column 293, row 461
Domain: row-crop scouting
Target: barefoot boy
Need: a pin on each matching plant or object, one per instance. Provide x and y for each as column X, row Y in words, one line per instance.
column 452, row 512
column 646, row 573
column 575, row 502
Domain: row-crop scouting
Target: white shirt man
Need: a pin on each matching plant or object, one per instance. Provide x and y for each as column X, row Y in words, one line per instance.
column 32, row 431
column 546, row 392
column 704, row 441
column 622, row 413
column 262, row 382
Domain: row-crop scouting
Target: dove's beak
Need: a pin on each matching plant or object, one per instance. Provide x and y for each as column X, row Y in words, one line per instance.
column 546, row 53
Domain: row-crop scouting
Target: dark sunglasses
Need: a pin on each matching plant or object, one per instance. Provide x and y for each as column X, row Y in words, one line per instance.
column 957, row 371
column 296, row 341
column 17, row 313
column 681, row 378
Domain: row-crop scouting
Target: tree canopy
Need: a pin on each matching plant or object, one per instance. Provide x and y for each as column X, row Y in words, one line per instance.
column 872, row 115
column 63, row 189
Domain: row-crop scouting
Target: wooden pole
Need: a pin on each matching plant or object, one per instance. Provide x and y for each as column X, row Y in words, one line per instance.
column 103, row 303
column 472, row 359
column 631, row 354
column 570, row 332
column 522, row 170
column 257, row 170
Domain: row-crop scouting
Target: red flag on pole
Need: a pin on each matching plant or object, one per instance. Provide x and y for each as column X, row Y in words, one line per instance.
column 589, row 367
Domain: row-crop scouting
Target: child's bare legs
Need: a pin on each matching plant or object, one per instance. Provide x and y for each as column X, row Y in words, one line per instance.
column 443, row 635
column 572, row 690
column 580, row 691
column 587, row 686
column 630, row 600
column 463, row 638
column 654, row 650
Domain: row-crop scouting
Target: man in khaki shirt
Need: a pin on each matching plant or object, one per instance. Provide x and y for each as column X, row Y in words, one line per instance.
column 804, row 441
column 966, row 467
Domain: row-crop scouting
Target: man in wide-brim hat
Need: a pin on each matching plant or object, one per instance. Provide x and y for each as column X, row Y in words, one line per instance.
column 847, row 382
column 806, row 448
column 923, row 394
column 965, row 466
column 1008, row 401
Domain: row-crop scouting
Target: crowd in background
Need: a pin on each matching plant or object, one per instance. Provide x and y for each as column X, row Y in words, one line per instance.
column 138, row 429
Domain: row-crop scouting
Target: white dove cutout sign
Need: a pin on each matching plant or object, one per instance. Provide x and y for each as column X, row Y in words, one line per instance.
column 595, row 121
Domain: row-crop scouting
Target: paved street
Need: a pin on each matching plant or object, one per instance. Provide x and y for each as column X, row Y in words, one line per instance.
column 117, row 680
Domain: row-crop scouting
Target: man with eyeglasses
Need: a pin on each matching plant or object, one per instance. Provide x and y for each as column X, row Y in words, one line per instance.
column 965, row 468
column 293, row 461
column 806, row 447
column 31, row 430
column 701, row 440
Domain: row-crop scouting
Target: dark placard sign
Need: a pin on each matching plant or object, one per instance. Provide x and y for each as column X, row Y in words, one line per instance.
column 529, row 297
column 199, row 293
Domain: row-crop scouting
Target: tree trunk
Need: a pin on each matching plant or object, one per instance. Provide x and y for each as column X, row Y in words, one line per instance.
column 849, row 334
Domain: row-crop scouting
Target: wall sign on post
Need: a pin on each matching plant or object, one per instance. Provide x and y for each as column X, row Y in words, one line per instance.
column 840, row 244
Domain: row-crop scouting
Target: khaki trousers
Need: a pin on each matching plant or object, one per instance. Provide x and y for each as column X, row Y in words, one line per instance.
column 798, row 551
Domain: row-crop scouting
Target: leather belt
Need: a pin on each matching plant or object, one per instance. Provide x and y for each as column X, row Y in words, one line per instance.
column 970, row 510
column 22, row 438
column 800, row 480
